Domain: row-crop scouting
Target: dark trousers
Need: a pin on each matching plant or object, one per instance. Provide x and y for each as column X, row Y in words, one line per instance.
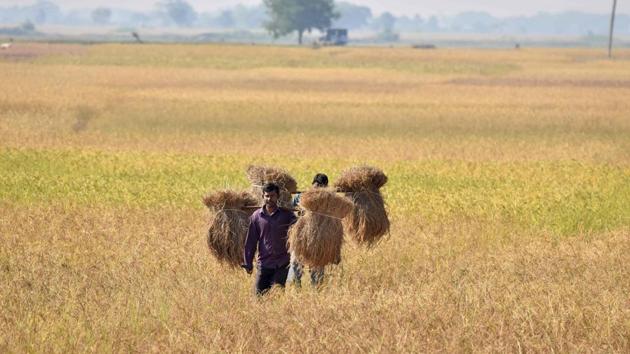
column 267, row 277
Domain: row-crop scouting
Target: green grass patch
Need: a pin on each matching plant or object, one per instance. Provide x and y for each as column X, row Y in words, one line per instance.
column 561, row 197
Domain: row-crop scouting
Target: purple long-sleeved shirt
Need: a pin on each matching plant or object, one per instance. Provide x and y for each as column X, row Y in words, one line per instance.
column 269, row 234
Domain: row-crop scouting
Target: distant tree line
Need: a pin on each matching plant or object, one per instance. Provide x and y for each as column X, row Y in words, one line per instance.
column 344, row 14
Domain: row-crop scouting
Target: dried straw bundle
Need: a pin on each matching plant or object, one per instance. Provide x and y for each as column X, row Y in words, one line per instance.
column 361, row 178
column 228, row 224
column 260, row 175
column 316, row 238
column 368, row 221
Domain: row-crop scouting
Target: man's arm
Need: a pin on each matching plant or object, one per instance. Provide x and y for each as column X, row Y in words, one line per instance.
column 251, row 242
column 292, row 219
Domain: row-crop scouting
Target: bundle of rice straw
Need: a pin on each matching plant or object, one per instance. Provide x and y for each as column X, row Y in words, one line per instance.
column 260, row 175
column 316, row 238
column 228, row 224
column 368, row 221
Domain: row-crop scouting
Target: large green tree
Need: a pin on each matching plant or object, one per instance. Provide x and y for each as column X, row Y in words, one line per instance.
column 302, row 16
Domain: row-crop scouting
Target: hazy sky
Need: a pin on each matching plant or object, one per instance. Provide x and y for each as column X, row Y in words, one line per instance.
column 399, row 7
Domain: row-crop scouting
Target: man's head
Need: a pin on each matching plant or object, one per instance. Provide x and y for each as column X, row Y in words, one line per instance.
column 320, row 180
column 271, row 192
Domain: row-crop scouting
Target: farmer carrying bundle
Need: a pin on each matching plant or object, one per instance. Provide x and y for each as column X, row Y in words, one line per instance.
column 316, row 238
column 261, row 175
column 367, row 223
column 228, row 224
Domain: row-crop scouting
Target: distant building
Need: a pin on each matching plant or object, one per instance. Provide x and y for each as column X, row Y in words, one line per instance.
column 335, row 36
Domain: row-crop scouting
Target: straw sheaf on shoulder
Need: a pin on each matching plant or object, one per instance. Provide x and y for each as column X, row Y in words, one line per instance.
column 326, row 201
column 317, row 237
column 228, row 224
column 229, row 199
column 368, row 222
column 361, row 178
column 316, row 240
column 259, row 175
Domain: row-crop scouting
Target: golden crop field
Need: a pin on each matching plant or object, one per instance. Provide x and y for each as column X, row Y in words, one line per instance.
column 508, row 192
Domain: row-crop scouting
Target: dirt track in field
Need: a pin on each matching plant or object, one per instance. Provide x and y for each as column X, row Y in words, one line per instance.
column 31, row 51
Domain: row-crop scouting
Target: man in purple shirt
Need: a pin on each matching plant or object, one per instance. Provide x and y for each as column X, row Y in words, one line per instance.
column 268, row 232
